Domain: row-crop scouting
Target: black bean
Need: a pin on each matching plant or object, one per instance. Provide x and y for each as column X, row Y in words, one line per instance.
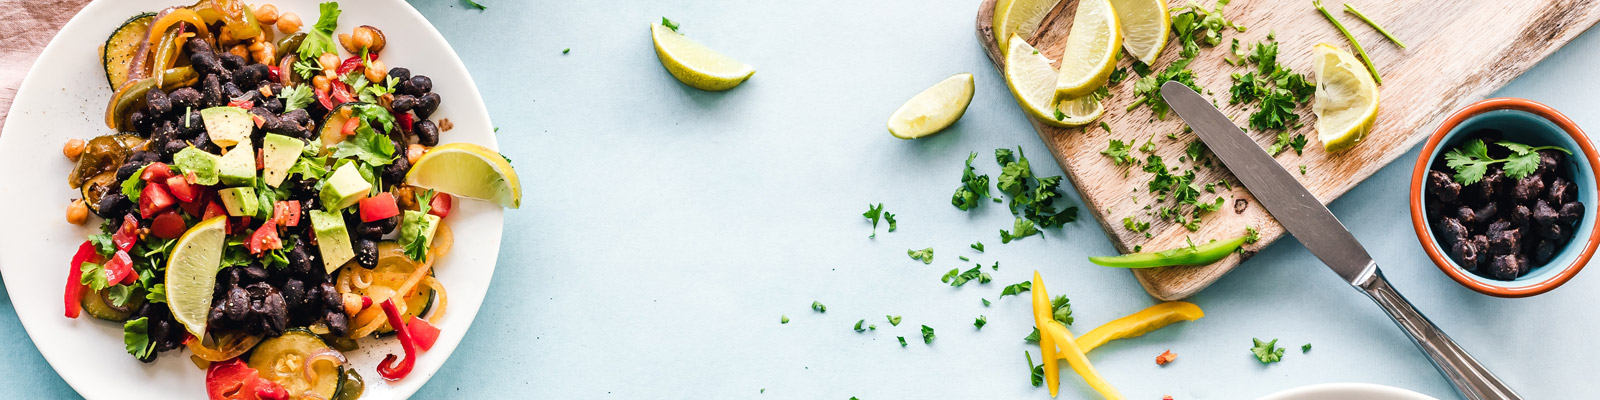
column 388, row 224
column 1505, row 267
column 1491, row 184
column 1528, row 188
column 211, row 92
column 157, row 103
column 185, row 98
column 268, row 120
column 337, row 322
column 1467, row 216
column 232, row 61
column 1442, row 186
column 1520, row 215
column 294, row 292
column 301, row 259
column 1465, row 253
column 190, row 125
column 1570, row 212
column 1544, row 214
column 142, row 122
column 299, row 117
column 1554, row 231
column 202, row 141
column 403, row 103
column 250, row 76
column 277, row 312
column 238, row 304
column 1549, row 161
column 254, row 273
column 112, row 204
column 427, row 133
column 1545, row 250
column 197, row 45
column 1561, row 191
column 1452, row 230
column 400, row 73
column 426, row 105
column 207, row 63
column 370, row 230
column 331, row 298
column 1505, row 241
column 273, row 104
column 366, row 252
column 422, row 83
column 396, row 170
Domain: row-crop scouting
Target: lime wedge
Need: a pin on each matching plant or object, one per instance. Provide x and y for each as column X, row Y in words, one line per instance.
column 1346, row 102
column 192, row 273
column 1144, row 25
column 1091, row 50
column 468, row 170
column 934, row 109
column 1019, row 18
column 1032, row 81
column 697, row 65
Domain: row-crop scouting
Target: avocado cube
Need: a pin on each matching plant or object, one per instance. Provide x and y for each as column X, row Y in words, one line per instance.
column 278, row 154
column 203, row 165
column 332, row 239
column 228, row 126
column 418, row 224
column 240, row 201
column 344, row 188
column 238, row 167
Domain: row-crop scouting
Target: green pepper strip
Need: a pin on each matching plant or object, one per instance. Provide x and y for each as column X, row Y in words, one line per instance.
column 1187, row 255
column 1371, row 68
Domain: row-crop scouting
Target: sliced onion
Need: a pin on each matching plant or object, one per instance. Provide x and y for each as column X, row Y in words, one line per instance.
column 360, row 278
column 440, row 302
column 325, row 354
column 105, row 296
column 286, row 75
column 309, row 395
column 229, row 346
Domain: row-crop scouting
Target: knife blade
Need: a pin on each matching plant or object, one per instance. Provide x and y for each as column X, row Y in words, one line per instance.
column 1274, row 187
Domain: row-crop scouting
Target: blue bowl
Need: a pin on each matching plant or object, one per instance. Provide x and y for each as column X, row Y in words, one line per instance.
column 1527, row 122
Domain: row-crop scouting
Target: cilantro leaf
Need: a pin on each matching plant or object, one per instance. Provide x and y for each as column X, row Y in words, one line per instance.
column 1267, row 352
column 1118, row 151
column 136, row 338
column 902, row 340
column 1035, row 372
column 1022, row 227
column 783, row 319
column 319, row 39
column 296, row 98
column 873, row 214
column 367, row 145
column 102, row 244
column 1016, row 289
column 924, row 255
column 156, row 293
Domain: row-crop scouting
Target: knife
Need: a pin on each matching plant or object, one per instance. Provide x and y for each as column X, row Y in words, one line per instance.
column 1316, row 228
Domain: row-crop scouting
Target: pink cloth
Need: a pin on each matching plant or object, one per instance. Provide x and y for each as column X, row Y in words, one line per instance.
column 25, row 27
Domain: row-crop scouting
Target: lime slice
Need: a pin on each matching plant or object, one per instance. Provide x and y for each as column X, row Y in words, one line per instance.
column 697, row 65
column 468, row 170
column 1144, row 25
column 934, row 109
column 192, row 273
column 1091, row 50
column 1032, row 81
column 1346, row 102
column 1019, row 18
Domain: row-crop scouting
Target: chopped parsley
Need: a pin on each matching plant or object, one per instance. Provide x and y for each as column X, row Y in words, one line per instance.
column 902, row 340
column 894, row 320
column 858, row 327
column 1472, row 160
column 1305, row 347
column 1035, row 372
column 927, row 335
column 818, row 307
column 1251, row 235
column 1302, row 169
column 874, row 213
column 669, row 24
column 985, row 302
column 1267, row 352
column 1016, row 289
column 924, row 255
column 956, row 277
column 980, row 322
column 1022, row 227
column 1032, row 197
column 566, row 50
column 977, row 246
column 1135, row 226
column 973, row 187
column 784, row 319
column 1118, row 151
column 296, row 98
column 1061, row 311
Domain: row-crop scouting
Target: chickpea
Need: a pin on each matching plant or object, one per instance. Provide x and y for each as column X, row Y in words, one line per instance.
column 240, row 50
column 352, row 303
column 320, row 82
column 378, row 72
column 415, row 152
column 404, row 195
column 74, row 148
column 77, row 212
column 264, row 52
column 330, row 64
column 266, row 14
column 288, row 23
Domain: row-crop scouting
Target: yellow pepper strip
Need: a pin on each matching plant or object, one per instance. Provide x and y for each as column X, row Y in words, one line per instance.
column 173, row 18
column 1079, row 361
column 1047, row 347
column 1139, row 323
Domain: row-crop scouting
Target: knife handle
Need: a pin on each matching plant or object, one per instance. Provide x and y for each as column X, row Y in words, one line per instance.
column 1470, row 378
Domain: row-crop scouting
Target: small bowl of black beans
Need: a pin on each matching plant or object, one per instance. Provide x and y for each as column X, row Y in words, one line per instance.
column 1503, row 196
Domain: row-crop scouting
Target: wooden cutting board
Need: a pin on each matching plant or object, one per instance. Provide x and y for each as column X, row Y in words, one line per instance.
column 1459, row 52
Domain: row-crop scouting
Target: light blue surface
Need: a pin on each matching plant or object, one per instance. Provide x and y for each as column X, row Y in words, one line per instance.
column 1533, row 130
column 666, row 230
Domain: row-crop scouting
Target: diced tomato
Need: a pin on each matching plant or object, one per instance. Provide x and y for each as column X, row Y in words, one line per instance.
column 441, row 204
column 273, row 73
column 238, row 225
column 234, row 380
column 422, row 332
column 75, row 287
column 322, row 98
column 261, row 162
column 341, row 92
column 350, row 126
column 127, row 234
column 156, row 172
column 214, row 209
column 245, row 104
column 405, row 121
column 286, row 213
column 378, row 207
column 154, row 199
column 180, row 188
column 265, row 238
column 168, row 225
column 119, row 269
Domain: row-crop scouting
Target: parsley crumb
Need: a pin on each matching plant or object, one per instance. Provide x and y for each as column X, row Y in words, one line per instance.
column 1305, row 348
column 902, row 340
column 873, row 214
column 927, row 335
column 978, row 246
column 784, row 320
column 1035, row 373
column 1016, row 289
column 894, row 320
column 669, row 24
column 924, row 255
column 1267, row 352
column 818, row 307
column 985, row 302
column 963, row 258
column 980, row 322
column 1302, row 169
column 566, row 50
column 1060, row 116
column 858, row 327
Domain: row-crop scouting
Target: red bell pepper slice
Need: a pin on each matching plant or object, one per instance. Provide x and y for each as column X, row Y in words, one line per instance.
column 245, row 104
column 75, row 286
column 265, row 238
column 378, row 207
column 286, row 213
column 440, row 205
column 156, row 172
column 180, row 188
column 422, row 332
column 387, row 368
column 154, row 199
column 341, row 92
column 274, row 74
column 350, row 126
column 322, row 98
column 127, row 234
column 168, row 225
column 235, row 380
column 119, row 269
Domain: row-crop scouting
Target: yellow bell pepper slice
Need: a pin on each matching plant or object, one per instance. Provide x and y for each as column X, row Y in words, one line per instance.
column 159, row 28
column 1079, row 361
column 1139, row 323
column 1047, row 346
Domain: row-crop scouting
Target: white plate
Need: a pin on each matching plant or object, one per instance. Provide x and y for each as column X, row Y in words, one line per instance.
column 64, row 96
column 1347, row 391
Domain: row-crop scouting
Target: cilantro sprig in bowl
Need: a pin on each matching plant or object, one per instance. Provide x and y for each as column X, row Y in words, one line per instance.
column 1515, row 142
